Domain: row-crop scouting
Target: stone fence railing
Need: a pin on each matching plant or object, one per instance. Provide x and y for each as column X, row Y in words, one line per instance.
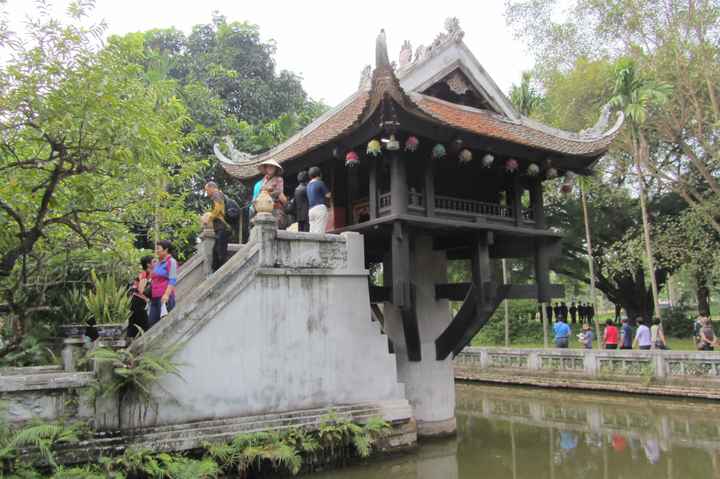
column 601, row 364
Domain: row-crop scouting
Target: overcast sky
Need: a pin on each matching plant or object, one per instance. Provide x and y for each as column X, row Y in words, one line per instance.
column 328, row 42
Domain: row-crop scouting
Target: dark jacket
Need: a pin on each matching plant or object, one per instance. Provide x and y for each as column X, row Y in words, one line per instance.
column 301, row 202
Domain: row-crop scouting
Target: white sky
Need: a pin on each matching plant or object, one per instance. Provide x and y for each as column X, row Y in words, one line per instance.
column 328, row 42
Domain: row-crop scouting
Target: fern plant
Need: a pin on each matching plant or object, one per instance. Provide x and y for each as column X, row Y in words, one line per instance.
column 40, row 437
column 107, row 302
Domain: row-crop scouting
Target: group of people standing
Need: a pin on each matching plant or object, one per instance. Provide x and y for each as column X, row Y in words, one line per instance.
column 583, row 311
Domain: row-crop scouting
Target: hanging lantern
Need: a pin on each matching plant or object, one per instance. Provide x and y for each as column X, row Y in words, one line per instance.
column 456, row 144
column 351, row 159
column 487, row 160
column 438, row 151
column 567, row 185
column 374, row 148
column 511, row 165
column 551, row 173
column 533, row 169
column 391, row 144
column 465, row 156
column 411, row 144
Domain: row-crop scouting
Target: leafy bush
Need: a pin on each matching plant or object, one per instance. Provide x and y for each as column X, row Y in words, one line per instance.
column 678, row 322
column 523, row 326
column 107, row 302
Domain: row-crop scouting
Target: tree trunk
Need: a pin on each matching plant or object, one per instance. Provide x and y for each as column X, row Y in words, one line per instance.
column 702, row 293
column 641, row 151
column 591, row 261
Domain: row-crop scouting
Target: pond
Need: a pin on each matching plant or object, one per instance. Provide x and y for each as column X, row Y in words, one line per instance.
column 514, row 432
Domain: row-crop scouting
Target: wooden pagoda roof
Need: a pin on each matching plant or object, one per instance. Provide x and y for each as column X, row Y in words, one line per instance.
column 578, row 150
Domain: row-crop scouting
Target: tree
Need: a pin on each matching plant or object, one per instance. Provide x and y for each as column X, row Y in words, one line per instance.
column 636, row 96
column 86, row 143
column 524, row 96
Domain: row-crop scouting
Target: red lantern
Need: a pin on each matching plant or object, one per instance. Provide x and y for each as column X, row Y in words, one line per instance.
column 351, row 159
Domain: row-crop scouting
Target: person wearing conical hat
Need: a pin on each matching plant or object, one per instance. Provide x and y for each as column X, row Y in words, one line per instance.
column 274, row 185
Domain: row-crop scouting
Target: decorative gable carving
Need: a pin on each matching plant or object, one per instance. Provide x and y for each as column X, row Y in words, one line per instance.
column 457, row 88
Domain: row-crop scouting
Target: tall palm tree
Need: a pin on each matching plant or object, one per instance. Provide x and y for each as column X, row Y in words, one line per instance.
column 524, row 96
column 636, row 96
column 584, row 183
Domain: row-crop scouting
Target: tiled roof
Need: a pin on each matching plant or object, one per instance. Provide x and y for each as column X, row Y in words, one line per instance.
column 486, row 123
column 323, row 130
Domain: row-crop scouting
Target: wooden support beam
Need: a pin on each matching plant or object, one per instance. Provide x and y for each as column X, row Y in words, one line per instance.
column 517, row 191
column 429, row 187
column 542, row 270
column 458, row 291
column 373, row 188
column 398, row 184
column 536, row 202
column 403, row 295
column 481, row 268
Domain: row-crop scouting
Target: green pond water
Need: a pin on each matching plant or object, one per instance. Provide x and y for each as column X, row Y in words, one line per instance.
column 511, row 432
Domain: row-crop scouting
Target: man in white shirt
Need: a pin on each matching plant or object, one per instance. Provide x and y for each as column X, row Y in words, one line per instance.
column 643, row 338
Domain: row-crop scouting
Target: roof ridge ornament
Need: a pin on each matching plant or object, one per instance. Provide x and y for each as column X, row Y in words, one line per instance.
column 602, row 123
column 381, row 53
column 452, row 34
column 237, row 157
column 365, row 78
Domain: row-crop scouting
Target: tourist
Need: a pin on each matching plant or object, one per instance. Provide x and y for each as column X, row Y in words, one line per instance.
column 697, row 326
column 557, row 311
column 618, row 310
column 562, row 333
column 582, row 312
column 643, row 337
column 273, row 185
column 140, row 291
column 549, row 312
column 564, row 311
column 586, row 336
column 220, row 224
column 590, row 312
column 573, row 312
column 658, row 337
column 626, row 334
column 163, row 281
column 300, row 201
column 708, row 340
column 317, row 194
column 257, row 187
column 610, row 335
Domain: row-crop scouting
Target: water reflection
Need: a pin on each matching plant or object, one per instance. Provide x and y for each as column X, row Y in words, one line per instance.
column 532, row 433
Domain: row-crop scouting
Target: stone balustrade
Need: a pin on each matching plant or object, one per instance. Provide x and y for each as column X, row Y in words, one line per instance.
column 667, row 367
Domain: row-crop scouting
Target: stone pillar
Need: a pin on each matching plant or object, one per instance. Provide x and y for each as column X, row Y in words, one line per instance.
column 69, row 353
column 107, row 405
column 264, row 233
column 207, row 241
column 429, row 383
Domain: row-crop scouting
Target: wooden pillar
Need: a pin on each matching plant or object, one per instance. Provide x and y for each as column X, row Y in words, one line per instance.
column 352, row 189
column 398, row 185
column 373, row 188
column 402, row 291
column 536, row 201
column 542, row 279
column 517, row 191
column 429, row 187
column 481, row 269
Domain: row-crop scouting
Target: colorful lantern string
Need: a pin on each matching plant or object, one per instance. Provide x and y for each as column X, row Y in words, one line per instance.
column 411, row 144
column 438, row 151
column 374, row 148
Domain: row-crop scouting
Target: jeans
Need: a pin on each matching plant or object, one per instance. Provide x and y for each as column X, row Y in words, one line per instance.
column 219, row 252
column 156, row 309
column 561, row 342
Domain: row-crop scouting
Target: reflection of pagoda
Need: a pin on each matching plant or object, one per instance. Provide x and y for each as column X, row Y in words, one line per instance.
column 431, row 161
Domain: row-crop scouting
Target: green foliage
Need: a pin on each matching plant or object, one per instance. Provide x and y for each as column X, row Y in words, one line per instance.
column 40, row 438
column 678, row 322
column 523, row 326
column 73, row 306
column 107, row 302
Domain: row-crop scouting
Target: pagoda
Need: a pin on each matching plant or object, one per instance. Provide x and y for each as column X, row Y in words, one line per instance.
column 430, row 161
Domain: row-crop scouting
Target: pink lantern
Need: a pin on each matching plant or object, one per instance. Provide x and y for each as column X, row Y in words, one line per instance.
column 351, row 159
column 511, row 165
column 412, row 143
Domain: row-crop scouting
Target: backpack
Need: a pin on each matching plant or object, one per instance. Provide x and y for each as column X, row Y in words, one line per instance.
column 232, row 209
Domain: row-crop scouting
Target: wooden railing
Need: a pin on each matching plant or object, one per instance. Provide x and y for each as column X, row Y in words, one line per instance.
column 471, row 207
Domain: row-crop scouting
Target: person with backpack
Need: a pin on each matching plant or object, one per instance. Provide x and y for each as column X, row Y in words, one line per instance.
column 140, row 292
column 224, row 212
column 300, row 202
column 163, row 280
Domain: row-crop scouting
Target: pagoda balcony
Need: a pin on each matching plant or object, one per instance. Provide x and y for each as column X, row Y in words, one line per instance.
column 458, row 209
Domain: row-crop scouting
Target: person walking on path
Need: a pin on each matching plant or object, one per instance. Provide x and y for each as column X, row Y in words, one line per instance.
column 317, row 194
column 218, row 216
column 643, row 337
column 564, row 311
column 657, row 334
column 587, row 336
column 581, row 312
column 549, row 312
column 163, row 281
column 626, row 335
column 557, row 311
column 562, row 333
column 610, row 335
column 300, row 199
column 573, row 312
column 708, row 340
